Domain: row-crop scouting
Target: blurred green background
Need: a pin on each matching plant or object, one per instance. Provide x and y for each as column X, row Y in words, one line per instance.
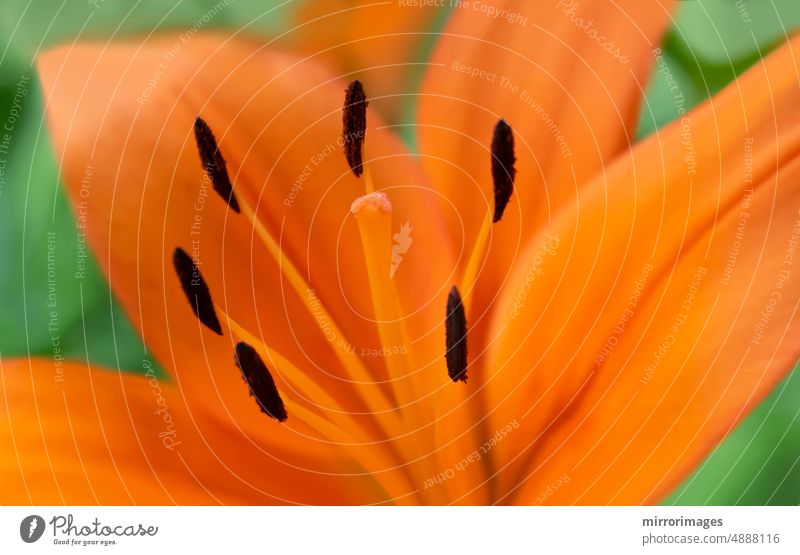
column 710, row 42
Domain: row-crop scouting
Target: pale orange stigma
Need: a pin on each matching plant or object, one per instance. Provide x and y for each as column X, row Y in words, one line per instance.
column 376, row 201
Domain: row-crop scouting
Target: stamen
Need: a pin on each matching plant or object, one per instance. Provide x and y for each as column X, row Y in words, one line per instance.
column 260, row 381
column 359, row 375
column 503, row 170
column 455, row 324
column 503, row 174
column 354, row 125
column 376, row 454
column 214, row 163
column 196, row 290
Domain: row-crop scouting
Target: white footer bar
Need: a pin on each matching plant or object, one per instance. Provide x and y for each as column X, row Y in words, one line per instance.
column 402, row 530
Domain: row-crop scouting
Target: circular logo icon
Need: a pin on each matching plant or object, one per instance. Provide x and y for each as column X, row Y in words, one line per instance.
column 31, row 528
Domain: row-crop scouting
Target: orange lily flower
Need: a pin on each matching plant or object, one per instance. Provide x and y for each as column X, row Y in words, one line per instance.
column 624, row 305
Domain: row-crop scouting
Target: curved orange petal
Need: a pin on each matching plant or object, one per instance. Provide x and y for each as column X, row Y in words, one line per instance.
column 664, row 398
column 567, row 76
column 572, row 104
column 121, row 117
column 382, row 43
column 79, row 436
column 602, row 289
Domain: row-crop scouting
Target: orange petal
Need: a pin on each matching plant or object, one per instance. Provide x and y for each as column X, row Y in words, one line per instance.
column 665, row 399
column 605, row 286
column 121, row 117
column 382, row 43
column 79, row 436
column 536, row 62
column 567, row 76
column 572, row 105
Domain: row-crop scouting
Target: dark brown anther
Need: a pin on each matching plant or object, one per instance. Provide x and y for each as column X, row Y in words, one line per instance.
column 196, row 290
column 260, row 382
column 354, row 125
column 214, row 163
column 503, row 170
column 455, row 324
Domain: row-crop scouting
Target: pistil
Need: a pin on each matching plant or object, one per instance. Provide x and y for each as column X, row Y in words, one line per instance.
column 373, row 214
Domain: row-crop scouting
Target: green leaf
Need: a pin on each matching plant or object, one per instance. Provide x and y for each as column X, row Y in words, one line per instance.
column 671, row 93
column 726, row 32
column 37, row 238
